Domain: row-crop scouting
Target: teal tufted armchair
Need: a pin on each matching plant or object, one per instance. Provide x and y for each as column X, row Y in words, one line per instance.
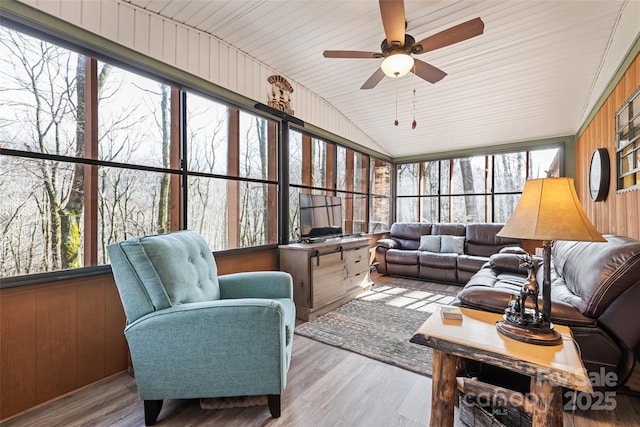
column 194, row 334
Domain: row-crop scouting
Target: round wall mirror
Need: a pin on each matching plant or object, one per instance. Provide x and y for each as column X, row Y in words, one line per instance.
column 599, row 175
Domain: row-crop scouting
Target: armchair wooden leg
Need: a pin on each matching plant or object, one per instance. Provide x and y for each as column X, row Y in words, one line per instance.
column 274, row 405
column 151, row 411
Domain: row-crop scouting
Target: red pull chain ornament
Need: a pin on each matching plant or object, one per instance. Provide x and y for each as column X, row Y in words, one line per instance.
column 414, row 123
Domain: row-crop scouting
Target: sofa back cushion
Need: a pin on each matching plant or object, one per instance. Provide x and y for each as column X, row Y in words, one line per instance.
column 591, row 275
column 408, row 233
column 481, row 239
column 451, row 229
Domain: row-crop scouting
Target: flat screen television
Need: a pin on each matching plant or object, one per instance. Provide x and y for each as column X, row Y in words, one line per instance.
column 320, row 216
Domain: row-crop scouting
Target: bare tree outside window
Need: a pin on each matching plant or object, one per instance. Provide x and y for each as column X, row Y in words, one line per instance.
column 470, row 189
column 39, row 113
column 134, row 128
column 207, row 142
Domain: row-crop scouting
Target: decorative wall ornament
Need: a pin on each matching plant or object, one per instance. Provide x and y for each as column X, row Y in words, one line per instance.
column 280, row 97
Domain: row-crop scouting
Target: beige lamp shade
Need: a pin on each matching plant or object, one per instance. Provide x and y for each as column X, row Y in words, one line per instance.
column 549, row 209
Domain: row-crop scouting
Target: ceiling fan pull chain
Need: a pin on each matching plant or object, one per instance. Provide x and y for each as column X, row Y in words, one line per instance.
column 414, row 123
column 396, row 121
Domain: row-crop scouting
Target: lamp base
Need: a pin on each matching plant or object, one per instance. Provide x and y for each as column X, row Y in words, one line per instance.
column 544, row 335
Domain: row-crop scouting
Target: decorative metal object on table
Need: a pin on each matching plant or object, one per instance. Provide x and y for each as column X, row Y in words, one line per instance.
column 521, row 322
column 548, row 210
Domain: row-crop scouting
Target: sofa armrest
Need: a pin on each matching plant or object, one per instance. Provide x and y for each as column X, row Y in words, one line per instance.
column 256, row 284
column 388, row 243
column 507, row 262
column 496, row 300
column 517, row 250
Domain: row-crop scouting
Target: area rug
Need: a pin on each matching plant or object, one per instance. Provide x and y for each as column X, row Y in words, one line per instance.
column 379, row 324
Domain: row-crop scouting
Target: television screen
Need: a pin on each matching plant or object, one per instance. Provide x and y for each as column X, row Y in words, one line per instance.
column 320, row 216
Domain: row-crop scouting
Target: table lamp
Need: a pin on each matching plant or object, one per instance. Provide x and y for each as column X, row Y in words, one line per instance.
column 548, row 210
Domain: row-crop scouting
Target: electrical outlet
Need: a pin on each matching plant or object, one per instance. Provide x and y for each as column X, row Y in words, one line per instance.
column 539, row 252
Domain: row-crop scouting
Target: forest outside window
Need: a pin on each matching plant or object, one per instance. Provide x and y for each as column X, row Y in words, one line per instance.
column 92, row 155
column 470, row 189
column 361, row 181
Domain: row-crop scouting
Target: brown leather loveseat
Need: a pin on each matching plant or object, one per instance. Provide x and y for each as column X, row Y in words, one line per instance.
column 460, row 250
column 595, row 290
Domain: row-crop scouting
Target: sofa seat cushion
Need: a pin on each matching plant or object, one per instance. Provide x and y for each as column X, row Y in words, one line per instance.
column 399, row 256
column 471, row 263
column 433, row 259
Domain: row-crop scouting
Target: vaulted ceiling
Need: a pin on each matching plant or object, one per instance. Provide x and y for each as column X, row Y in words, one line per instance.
column 536, row 71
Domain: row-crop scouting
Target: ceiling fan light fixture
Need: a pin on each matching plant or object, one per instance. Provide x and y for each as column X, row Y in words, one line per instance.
column 397, row 64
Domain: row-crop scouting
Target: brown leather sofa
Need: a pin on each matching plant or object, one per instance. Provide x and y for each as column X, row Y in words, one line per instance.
column 595, row 290
column 399, row 255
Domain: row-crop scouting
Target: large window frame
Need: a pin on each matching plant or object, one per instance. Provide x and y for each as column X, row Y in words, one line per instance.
column 322, row 166
column 414, row 198
column 176, row 169
column 357, row 171
column 628, row 144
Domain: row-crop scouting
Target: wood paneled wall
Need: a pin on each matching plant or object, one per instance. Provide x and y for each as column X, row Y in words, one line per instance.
column 58, row 337
column 619, row 213
column 265, row 260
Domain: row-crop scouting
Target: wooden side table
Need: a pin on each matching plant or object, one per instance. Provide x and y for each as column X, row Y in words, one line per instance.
column 476, row 337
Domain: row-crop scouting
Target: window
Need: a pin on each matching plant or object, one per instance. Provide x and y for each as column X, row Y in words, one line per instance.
column 41, row 111
column 628, row 143
column 231, row 175
column 469, row 189
column 361, row 181
column 140, row 167
column 380, row 200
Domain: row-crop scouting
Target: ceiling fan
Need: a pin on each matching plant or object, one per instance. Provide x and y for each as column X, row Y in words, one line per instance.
column 398, row 47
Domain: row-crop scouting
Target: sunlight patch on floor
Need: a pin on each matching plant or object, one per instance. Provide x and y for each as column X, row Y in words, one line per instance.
column 413, row 299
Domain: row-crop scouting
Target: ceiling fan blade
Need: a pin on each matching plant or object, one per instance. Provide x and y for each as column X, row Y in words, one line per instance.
column 392, row 12
column 452, row 35
column 374, row 79
column 350, row 54
column 427, row 71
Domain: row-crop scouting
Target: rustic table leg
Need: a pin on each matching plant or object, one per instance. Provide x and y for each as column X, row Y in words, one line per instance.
column 547, row 404
column 443, row 389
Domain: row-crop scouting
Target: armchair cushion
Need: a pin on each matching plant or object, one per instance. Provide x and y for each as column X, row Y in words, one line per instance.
column 176, row 268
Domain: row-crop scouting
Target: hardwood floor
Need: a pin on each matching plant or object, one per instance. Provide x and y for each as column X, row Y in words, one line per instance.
column 326, row 387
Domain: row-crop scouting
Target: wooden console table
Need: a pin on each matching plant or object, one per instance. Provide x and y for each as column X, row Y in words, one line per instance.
column 476, row 337
column 326, row 274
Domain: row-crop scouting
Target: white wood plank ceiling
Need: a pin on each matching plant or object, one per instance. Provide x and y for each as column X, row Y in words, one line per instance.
column 535, row 73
